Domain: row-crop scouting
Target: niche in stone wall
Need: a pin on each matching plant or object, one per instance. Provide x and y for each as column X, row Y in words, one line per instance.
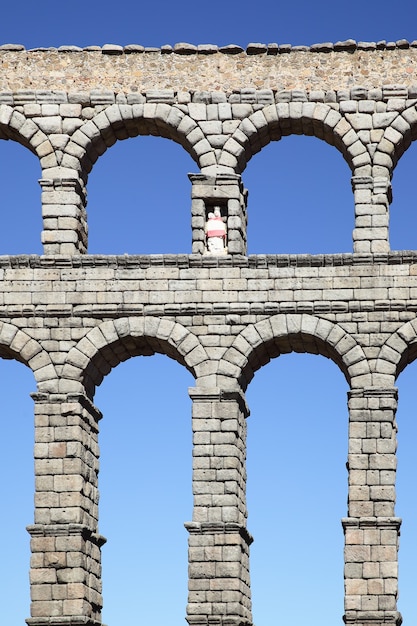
column 215, row 228
column 16, row 489
column 139, row 198
column 145, row 490
column 300, row 198
column 21, row 211
column 297, row 489
column 403, row 209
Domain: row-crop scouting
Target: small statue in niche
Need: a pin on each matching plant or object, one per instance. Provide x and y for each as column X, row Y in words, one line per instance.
column 216, row 233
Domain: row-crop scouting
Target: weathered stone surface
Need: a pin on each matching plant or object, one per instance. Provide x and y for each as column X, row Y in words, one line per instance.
column 72, row 317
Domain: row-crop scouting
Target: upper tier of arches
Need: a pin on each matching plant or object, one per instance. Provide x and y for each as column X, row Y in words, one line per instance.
column 221, row 137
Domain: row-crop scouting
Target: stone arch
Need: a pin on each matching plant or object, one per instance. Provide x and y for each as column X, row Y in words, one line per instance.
column 292, row 118
column 113, row 341
column 18, row 345
column 258, row 343
column 121, row 121
column 399, row 132
column 399, row 350
column 15, row 126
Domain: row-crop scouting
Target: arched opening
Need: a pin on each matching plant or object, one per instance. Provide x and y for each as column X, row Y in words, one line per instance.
column 17, row 489
column 406, row 492
column 297, row 489
column 139, row 199
column 403, row 213
column 145, row 490
column 300, row 198
column 21, row 213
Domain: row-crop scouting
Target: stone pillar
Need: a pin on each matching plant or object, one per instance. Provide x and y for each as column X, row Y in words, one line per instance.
column 371, row 530
column 65, row 571
column 372, row 201
column 64, row 216
column 219, row 591
column 227, row 192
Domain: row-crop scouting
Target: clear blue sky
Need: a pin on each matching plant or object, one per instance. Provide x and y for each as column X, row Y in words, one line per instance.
column 298, row 426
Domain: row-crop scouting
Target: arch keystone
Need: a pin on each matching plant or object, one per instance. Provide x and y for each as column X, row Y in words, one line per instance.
column 308, row 324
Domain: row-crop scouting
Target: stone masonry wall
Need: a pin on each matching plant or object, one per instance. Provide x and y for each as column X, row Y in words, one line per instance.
column 279, row 67
column 71, row 317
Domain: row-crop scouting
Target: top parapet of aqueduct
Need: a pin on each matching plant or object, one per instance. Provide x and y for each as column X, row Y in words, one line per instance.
column 185, row 67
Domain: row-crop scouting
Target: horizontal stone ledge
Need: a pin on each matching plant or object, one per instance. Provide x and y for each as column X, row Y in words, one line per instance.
column 217, row 620
column 402, row 257
column 65, row 530
column 372, row 522
column 115, row 311
column 215, row 394
column 214, row 528
column 70, row 399
column 346, row 97
column 71, row 620
column 378, row 618
column 374, row 392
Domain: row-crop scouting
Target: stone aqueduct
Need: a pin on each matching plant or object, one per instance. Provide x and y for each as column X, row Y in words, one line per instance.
column 71, row 317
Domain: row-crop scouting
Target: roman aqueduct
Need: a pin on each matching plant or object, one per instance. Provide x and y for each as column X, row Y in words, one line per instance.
column 222, row 105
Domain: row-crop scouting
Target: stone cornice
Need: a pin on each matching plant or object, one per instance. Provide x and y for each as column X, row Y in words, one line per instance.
column 182, row 261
